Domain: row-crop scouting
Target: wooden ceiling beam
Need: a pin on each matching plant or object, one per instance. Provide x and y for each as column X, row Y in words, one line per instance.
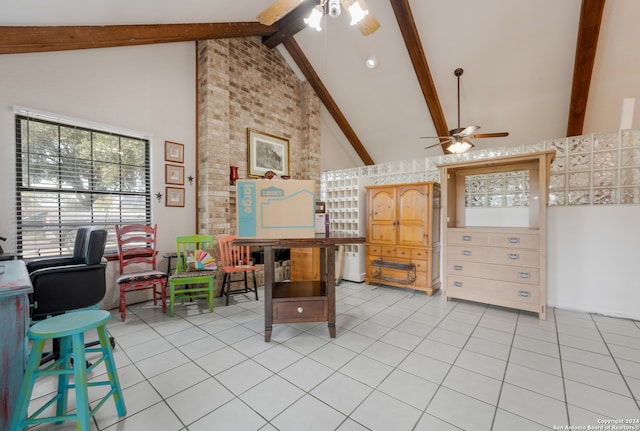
column 22, row 39
column 314, row 80
column 412, row 41
column 591, row 13
column 290, row 24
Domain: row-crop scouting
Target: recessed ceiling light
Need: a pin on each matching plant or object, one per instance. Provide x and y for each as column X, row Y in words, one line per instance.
column 371, row 62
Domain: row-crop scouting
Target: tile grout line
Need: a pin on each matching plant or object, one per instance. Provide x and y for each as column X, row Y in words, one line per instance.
column 564, row 385
column 504, row 374
column 635, row 400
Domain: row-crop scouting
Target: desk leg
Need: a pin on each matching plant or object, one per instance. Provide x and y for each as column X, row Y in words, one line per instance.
column 269, row 270
column 331, row 288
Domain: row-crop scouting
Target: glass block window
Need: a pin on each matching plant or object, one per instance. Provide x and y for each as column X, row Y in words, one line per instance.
column 500, row 190
column 595, row 169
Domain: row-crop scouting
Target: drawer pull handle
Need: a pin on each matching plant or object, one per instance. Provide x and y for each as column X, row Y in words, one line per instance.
column 300, row 309
column 466, row 252
column 514, row 240
column 513, row 256
column 466, row 237
column 457, row 283
column 524, row 293
column 524, row 275
column 457, row 267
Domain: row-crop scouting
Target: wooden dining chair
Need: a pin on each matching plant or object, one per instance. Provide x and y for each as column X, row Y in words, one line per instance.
column 195, row 270
column 137, row 257
column 235, row 260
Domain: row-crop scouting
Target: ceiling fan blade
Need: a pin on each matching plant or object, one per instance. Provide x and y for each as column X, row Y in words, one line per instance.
column 491, row 135
column 434, row 145
column 468, row 131
column 277, row 10
column 368, row 25
column 447, row 138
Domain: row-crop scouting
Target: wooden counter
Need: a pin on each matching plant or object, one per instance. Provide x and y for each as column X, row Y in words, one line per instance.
column 300, row 301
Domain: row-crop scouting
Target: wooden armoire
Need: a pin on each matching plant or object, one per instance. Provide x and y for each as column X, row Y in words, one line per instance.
column 403, row 236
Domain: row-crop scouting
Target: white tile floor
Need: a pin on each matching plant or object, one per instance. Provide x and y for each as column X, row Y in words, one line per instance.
column 399, row 362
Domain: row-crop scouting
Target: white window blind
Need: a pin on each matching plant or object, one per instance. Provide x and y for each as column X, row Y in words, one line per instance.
column 69, row 175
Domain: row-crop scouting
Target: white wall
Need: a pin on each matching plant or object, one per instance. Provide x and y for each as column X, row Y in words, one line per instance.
column 594, row 259
column 336, row 151
column 615, row 69
column 148, row 89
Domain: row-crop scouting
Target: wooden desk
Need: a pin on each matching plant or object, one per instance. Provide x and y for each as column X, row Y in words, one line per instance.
column 300, row 301
column 15, row 285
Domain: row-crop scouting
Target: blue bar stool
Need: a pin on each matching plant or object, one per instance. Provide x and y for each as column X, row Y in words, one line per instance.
column 70, row 328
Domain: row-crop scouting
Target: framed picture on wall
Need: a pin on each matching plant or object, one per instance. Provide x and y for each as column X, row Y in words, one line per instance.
column 175, row 197
column 267, row 153
column 174, row 174
column 173, row 152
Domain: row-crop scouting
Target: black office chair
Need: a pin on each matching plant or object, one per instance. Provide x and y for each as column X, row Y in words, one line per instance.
column 62, row 284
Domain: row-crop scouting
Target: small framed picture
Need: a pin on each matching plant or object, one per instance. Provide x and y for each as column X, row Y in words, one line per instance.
column 173, row 152
column 175, row 197
column 320, row 207
column 174, row 174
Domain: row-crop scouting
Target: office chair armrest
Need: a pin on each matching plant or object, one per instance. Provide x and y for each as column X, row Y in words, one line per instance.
column 48, row 262
column 67, row 287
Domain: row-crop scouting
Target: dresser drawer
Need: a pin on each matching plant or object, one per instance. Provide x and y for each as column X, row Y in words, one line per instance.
column 291, row 311
column 497, row 255
column 516, row 274
column 403, row 252
column 477, row 289
column 388, row 251
column 514, row 239
column 465, row 236
column 420, row 254
column 468, row 253
column 514, row 256
column 422, row 265
column 374, row 250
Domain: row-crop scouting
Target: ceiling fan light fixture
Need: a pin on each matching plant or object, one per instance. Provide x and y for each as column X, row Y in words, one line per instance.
column 314, row 18
column 459, row 146
column 357, row 12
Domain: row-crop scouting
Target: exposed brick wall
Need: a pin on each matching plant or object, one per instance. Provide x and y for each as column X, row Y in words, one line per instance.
column 241, row 85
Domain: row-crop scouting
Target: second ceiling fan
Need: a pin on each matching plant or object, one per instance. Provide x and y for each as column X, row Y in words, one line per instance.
column 460, row 137
column 360, row 14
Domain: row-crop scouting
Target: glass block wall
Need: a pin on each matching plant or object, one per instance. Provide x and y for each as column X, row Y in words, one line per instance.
column 595, row 169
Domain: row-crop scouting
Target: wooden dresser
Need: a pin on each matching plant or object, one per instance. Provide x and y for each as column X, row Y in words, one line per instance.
column 403, row 236
column 500, row 265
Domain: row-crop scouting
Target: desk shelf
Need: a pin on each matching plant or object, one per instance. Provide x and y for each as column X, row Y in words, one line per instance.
column 298, row 289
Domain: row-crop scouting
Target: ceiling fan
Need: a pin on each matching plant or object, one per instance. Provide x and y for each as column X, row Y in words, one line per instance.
column 360, row 13
column 460, row 137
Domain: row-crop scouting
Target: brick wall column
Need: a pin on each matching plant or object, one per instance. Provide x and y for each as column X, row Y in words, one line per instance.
column 213, row 155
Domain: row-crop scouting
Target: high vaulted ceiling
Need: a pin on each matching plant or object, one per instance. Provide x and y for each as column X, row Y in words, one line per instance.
column 518, row 58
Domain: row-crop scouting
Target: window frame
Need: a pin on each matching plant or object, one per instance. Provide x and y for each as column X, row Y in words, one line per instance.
column 119, row 205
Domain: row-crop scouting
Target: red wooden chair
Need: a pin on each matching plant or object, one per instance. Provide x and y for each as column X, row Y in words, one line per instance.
column 234, row 260
column 137, row 246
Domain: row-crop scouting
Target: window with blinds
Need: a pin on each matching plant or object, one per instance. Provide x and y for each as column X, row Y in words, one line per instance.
column 69, row 176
